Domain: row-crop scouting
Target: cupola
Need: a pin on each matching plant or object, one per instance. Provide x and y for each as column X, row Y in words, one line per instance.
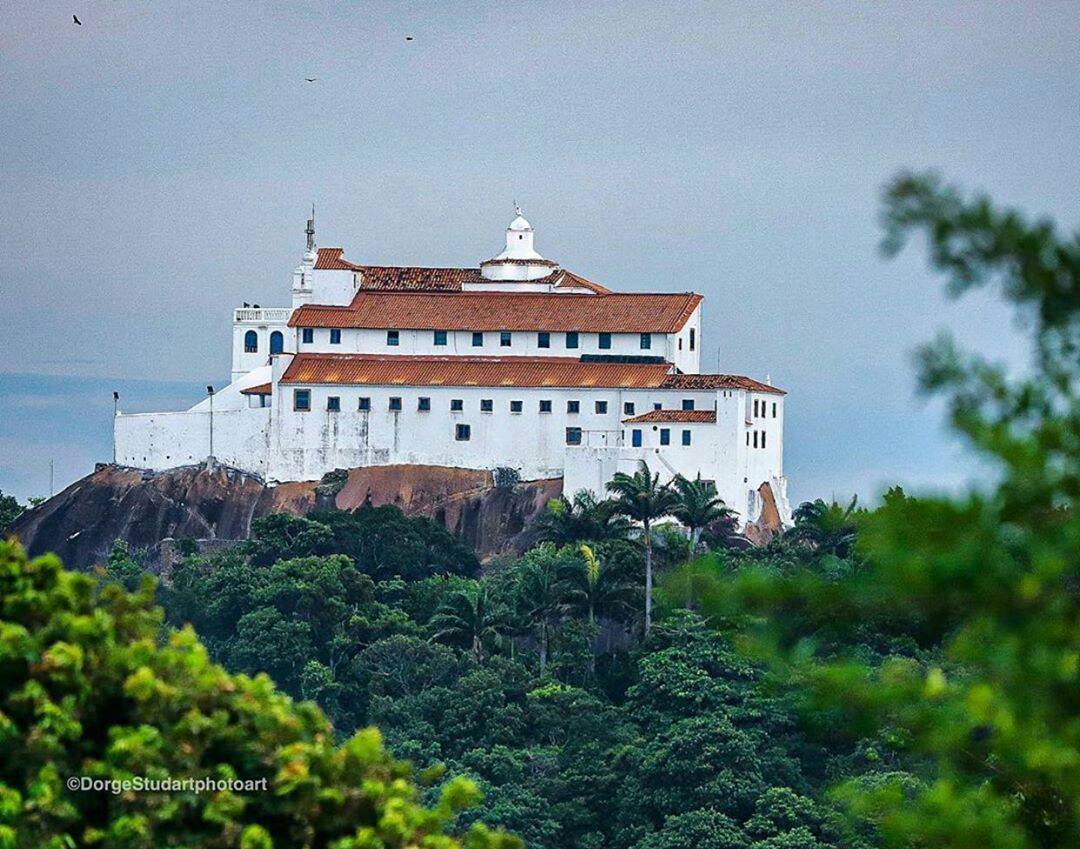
column 519, row 261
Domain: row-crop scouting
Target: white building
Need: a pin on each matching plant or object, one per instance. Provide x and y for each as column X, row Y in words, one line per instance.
column 518, row 363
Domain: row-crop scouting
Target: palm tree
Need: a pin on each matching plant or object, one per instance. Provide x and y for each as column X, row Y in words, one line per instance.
column 828, row 528
column 540, row 602
column 590, row 586
column 698, row 504
column 582, row 518
column 593, row 588
column 467, row 617
column 641, row 498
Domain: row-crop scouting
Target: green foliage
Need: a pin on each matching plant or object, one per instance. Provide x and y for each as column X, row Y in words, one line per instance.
column 381, row 541
column 10, row 510
column 641, row 498
column 582, row 518
column 983, row 586
column 87, row 690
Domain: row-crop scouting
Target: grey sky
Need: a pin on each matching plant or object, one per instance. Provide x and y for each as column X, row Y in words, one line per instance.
column 157, row 164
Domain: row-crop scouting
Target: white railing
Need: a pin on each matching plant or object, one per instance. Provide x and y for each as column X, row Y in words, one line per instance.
column 271, row 315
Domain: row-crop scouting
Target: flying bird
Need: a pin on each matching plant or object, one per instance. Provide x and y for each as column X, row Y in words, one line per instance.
column 408, row 38
column 75, row 18
column 310, row 79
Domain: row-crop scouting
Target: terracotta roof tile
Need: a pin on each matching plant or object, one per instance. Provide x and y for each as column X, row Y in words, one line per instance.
column 330, row 259
column 612, row 313
column 568, row 280
column 470, row 371
column 684, row 416
column 719, row 381
column 261, row 389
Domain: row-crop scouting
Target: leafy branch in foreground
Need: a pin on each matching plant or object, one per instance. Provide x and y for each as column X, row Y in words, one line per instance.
column 987, row 583
column 86, row 690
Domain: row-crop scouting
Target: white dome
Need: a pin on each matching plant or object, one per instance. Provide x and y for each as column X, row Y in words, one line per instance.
column 519, row 223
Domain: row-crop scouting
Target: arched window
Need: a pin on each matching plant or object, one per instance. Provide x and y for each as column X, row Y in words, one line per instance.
column 277, row 342
column 251, row 342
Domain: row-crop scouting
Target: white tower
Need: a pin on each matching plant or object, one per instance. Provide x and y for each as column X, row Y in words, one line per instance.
column 303, row 275
column 519, row 261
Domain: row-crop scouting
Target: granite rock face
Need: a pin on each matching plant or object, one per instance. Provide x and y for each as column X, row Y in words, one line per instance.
column 218, row 504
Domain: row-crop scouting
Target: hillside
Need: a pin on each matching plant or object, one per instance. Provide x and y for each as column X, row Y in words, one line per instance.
column 219, row 503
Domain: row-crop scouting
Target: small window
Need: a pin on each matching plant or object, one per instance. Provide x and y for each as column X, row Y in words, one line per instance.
column 686, row 437
column 277, row 342
column 665, row 436
column 251, row 342
column 755, row 439
column 486, row 405
column 688, row 403
column 572, row 339
column 302, row 400
column 423, row 404
column 478, row 340
column 545, row 406
column 646, row 341
column 601, row 408
column 635, row 438
column 333, row 404
column 605, row 341
column 335, row 336
column 628, row 408
column 440, row 337
column 505, row 339
column 680, row 343
column 748, row 438
column 395, row 404
column 456, row 405
column 543, row 340
column 573, row 406
column 755, row 408
column 393, row 338
column 774, row 410
column 307, row 335
column 364, row 405
column 763, row 439
column 693, row 338
column 573, row 436
column 657, row 405
column 462, row 432
column 516, row 406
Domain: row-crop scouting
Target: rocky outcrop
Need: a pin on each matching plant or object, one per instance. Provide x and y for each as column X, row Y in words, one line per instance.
column 219, row 503
column 769, row 523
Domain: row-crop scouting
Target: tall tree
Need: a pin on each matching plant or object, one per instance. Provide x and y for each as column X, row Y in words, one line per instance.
column 582, row 518
column 469, row 617
column 641, row 498
column 697, row 504
column 540, row 598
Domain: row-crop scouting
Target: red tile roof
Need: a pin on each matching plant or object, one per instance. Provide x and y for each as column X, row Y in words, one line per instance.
column 612, row 313
column 330, row 259
column 261, row 389
column 569, row 279
column 471, row 371
column 719, row 381
column 683, row 416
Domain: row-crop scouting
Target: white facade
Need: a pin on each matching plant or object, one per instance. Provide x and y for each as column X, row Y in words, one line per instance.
column 314, row 390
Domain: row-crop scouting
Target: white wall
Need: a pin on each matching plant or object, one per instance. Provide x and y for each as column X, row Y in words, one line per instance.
column 306, row 445
column 717, row 451
column 459, row 343
column 166, row 440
